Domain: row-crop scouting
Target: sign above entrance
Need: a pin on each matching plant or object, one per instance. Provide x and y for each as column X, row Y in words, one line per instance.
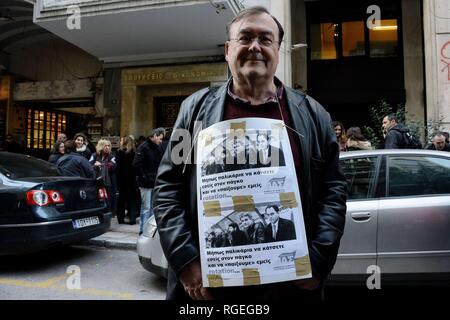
column 58, row 3
column 211, row 72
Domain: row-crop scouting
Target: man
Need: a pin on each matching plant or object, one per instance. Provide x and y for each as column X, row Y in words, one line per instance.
column 61, row 137
column 74, row 164
column 394, row 138
column 268, row 155
column 11, row 145
column 438, row 143
column 252, row 53
column 146, row 162
column 278, row 229
column 255, row 231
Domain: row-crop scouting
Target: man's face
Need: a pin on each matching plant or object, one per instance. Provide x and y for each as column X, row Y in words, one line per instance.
column 387, row 125
column 262, row 142
column 253, row 60
column 439, row 142
column 239, row 145
column 62, row 137
column 273, row 215
column 157, row 139
column 246, row 221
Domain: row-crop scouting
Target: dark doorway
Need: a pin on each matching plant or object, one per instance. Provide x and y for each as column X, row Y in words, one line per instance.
column 167, row 109
column 351, row 67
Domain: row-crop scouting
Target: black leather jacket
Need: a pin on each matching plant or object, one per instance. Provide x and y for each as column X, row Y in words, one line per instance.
column 323, row 188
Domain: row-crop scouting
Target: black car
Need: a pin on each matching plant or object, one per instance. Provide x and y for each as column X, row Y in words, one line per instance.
column 40, row 208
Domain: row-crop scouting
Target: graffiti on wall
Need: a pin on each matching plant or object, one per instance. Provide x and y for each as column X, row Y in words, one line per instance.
column 445, row 58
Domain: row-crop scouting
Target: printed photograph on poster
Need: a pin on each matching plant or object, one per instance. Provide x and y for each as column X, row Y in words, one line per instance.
column 249, row 205
column 266, row 224
column 233, row 151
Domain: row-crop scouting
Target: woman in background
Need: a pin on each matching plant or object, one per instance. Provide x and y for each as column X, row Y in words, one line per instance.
column 105, row 167
column 56, row 152
column 356, row 140
column 340, row 135
column 126, row 180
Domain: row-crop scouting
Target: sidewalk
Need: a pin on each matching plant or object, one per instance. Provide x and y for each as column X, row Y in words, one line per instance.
column 120, row 236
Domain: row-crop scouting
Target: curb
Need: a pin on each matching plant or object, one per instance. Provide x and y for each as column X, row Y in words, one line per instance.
column 113, row 244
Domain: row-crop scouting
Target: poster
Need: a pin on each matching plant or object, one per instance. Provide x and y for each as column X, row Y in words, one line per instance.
column 250, row 215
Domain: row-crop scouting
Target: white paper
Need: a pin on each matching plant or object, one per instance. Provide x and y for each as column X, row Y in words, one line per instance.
column 233, row 160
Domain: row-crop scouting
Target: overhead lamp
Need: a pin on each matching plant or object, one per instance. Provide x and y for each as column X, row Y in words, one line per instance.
column 384, row 28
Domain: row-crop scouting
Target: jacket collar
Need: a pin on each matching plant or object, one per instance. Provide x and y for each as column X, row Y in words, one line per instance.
column 216, row 102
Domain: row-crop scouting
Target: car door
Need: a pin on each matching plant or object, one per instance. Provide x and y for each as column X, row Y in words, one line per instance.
column 358, row 244
column 414, row 218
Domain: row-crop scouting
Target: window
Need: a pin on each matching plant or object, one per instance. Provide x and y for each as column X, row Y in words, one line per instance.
column 384, row 39
column 353, row 43
column 417, row 176
column 323, row 41
column 352, row 39
column 43, row 128
column 360, row 175
column 16, row 166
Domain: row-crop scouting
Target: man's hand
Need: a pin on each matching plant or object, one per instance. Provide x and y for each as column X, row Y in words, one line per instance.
column 191, row 279
column 308, row 284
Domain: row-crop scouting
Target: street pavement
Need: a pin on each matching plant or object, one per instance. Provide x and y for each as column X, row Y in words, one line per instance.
column 120, row 236
column 105, row 274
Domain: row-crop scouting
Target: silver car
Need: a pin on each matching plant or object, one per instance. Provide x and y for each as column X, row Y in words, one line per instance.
column 398, row 219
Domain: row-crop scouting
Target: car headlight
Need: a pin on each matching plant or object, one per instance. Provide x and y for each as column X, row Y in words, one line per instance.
column 149, row 228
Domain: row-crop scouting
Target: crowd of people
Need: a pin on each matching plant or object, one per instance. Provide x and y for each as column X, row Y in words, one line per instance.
column 253, row 231
column 129, row 172
column 396, row 136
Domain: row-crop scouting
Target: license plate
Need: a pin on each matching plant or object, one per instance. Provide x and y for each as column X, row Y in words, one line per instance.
column 85, row 222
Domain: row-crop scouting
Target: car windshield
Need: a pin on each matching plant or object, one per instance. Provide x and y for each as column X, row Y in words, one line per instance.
column 17, row 166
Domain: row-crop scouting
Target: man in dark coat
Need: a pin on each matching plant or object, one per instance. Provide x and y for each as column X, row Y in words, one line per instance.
column 254, row 230
column 252, row 53
column 395, row 133
column 278, row 229
column 74, row 164
column 146, row 161
column 438, row 143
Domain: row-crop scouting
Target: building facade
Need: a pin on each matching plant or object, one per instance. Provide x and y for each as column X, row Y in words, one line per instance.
column 139, row 59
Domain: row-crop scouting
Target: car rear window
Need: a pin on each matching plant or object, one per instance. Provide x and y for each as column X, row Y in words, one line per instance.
column 20, row 166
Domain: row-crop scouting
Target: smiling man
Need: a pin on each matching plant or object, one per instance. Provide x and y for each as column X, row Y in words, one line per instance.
column 252, row 53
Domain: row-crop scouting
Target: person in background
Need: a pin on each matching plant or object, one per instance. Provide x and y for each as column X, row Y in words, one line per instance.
column 11, row 145
column 82, row 149
column 126, row 180
column 104, row 164
column 73, row 164
column 56, row 152
column 147, row 159
column 446, row 135
column 89, row 143
column 140, row 141
column 61, row 137
column 340, row 135
column 438, row 143
column 356, row 140
column 235, row 236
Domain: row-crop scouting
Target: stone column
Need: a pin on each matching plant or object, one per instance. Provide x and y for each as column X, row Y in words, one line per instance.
column 281, row 9
column 436, row 17
column 413, row 60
